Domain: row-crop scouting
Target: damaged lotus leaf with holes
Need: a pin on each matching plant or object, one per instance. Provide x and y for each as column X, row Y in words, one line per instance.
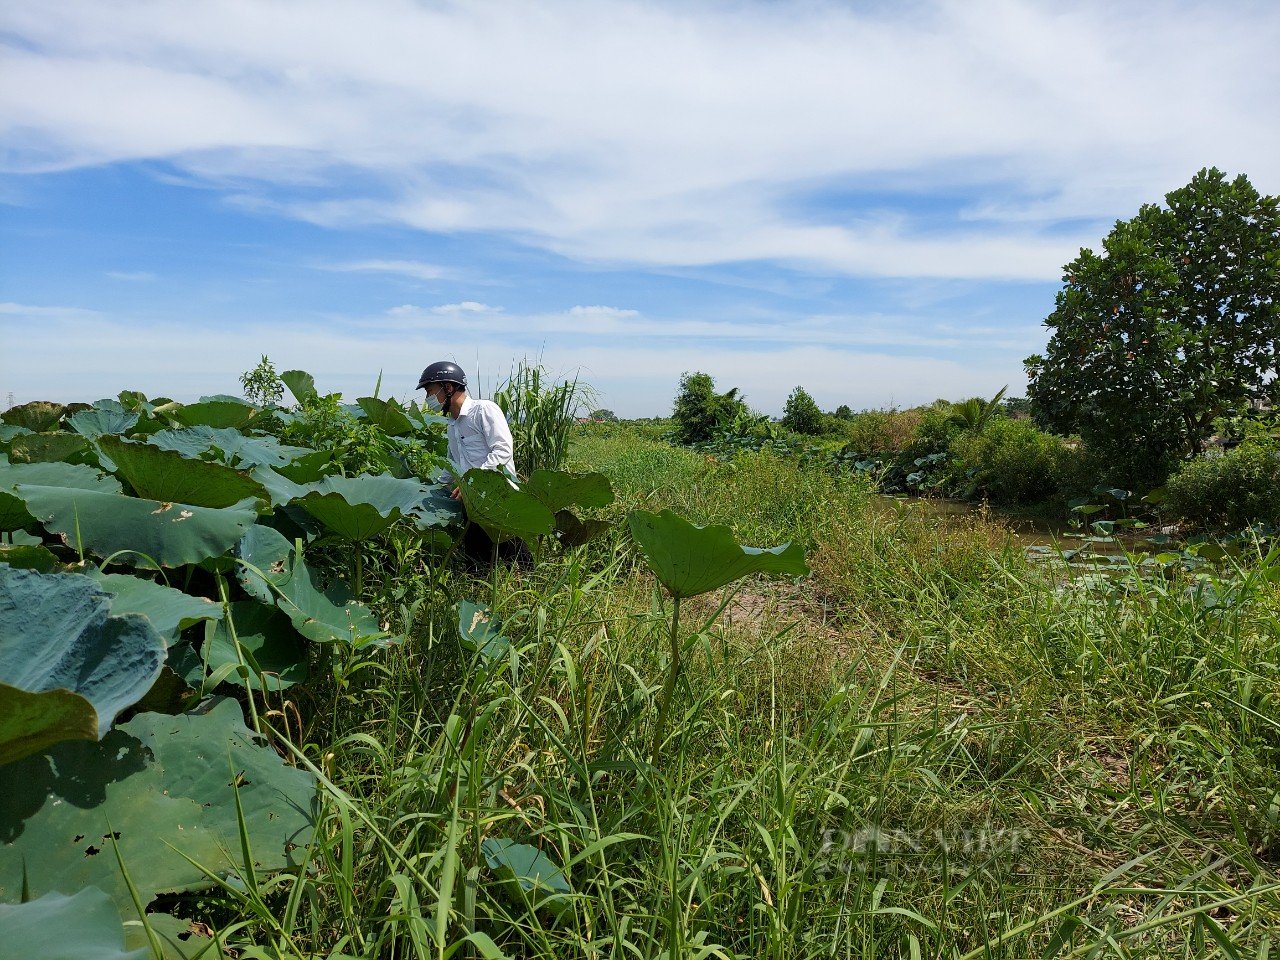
column 36, row 416
column 57, row 633
column 689, row 560
column 500, row 509
column 273, row 572
column 169, row 477
column 165, row 784
column 170, row 534
column 479, row 630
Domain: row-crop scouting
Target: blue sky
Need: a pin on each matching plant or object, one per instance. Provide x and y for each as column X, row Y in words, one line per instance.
column 871, row 200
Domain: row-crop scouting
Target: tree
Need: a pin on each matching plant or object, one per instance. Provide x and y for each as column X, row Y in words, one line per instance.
column 1174, row 324
column 801, row 413
column 700, row 412
column 608, row 416
column 843, row 412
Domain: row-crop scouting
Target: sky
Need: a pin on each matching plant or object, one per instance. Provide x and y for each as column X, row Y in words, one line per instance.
column 871, row 200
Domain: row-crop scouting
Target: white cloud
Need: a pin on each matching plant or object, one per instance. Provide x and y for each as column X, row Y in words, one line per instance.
column 408, row 268
column 664, row 133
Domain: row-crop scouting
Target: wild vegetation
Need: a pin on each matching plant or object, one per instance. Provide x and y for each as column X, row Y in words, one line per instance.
column 926, row 745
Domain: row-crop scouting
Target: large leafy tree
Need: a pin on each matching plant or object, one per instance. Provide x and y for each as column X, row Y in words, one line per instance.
column 802, row 413
column 700, row 412
column 1175, row 323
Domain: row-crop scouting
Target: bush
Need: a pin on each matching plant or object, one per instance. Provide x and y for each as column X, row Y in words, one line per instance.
column 802, row 414
column 1235, row 490
column 700, row 413
column 1010, row 461
column 882, row 431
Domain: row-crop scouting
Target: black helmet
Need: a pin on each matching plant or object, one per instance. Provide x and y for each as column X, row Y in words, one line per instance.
column 443, row 371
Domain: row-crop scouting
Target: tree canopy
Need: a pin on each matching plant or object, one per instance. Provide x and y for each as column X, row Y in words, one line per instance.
column 1175, row 323
column 802, row 413
column 700, row 412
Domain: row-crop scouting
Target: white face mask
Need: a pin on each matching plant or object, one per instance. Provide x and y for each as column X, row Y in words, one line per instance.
column 434, row 405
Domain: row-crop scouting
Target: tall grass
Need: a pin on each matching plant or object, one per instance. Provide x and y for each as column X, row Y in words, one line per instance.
column 541, row 417
column 932, row 748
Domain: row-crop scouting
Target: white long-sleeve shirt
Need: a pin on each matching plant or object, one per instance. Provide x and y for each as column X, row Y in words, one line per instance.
column 479, row 437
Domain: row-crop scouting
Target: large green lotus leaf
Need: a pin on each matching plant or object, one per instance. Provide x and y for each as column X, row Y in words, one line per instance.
column 216, row 413
column 308, row 467
column 31, row 723
column 170, row 534
column 358, row 508
column 49, row 448
column 228, row 446
column 169, row 477
column 270, row 645
column 539, row 880
column 280, row 488
column 558, row 489
column 107, row 417
column 301, row 384
column 274, row 573
column 57, row 631
column 170, row 611
column 36, row 416
column 8, row 433
column 83, row 926
column 500, row 509
column 159, row 786
column 387, row 415
column 689, row 560
column 13, row 511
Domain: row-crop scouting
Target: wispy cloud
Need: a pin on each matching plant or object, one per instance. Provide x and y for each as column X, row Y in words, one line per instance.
column 415, row 269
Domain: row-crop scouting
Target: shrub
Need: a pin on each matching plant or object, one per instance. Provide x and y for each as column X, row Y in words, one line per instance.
column 1235, row 490
column 802, row 413
column 540, row 417
column 882, row 431
column 1010, row 461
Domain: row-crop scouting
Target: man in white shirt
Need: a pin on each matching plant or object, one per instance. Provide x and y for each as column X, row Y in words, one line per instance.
column 478, row 437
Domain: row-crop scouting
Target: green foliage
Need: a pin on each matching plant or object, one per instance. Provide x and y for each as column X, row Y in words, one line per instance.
column 603, row 415
column 1175, row 323
column 540, row 417
column 843, row 412
column 700, row 413
column 262, row 385
column 975, row 413
column 1240, row 488
column 802, row 413
column 83, row 926
column 1008, row 462
column 882, row 431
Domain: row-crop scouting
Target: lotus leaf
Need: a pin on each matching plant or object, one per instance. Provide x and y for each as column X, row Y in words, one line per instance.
column 479, row 630
column 271, row 646
column 83, row 926
column 159, row 786
column 558, row 489
column 280, row 488
column 301, row 384
column 215, row 412
column 231, row 446
column 105, row 418
column 358, row 508
column 572, row 532
column 519, row 865
column 33, row 722
column 502, row 510
column 324, row 617
column 36, row 416
column 56, row 631
column 388, row 415
column 49, row 448
column 308, row 467
column 170, row 611
column 689, row 560
column 135, row 401
column 170, row 534
column 169, row 477
column 8, row 432
column 28, row 557
column 13, row 512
